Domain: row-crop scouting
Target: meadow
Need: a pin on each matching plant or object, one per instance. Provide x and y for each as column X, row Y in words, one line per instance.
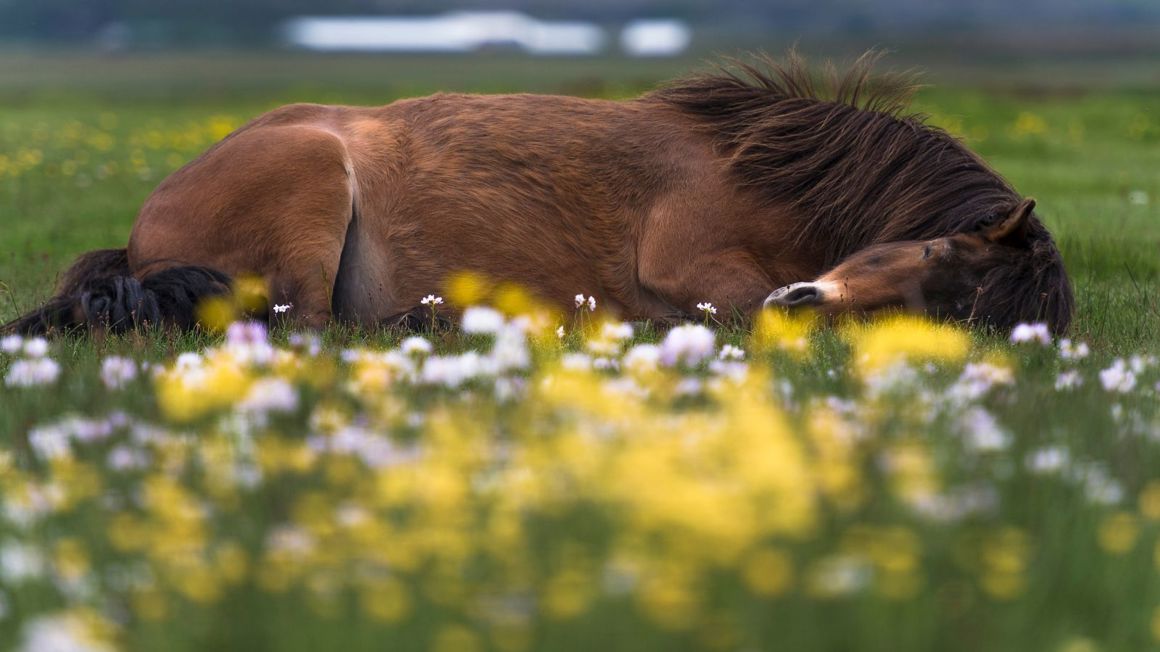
column 546, row 481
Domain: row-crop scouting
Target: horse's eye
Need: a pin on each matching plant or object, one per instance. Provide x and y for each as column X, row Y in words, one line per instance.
column 926, row 252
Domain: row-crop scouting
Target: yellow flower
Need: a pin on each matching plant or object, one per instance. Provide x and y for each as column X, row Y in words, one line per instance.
column 783, row 330
column 1118, row 533
column 467, row 288
column 884, row 342
column 1150, row 501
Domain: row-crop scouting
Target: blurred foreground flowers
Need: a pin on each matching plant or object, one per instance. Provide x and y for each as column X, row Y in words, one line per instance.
column 496, row 494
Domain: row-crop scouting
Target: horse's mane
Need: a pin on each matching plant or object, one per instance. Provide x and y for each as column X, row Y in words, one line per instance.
column 841, row 149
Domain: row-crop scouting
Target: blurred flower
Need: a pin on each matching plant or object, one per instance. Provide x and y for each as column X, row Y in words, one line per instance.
column 477, row 319
column 11, row 344
column 116, row 371
column 416, row 345
column 731, row 352
column 982, row 431
column 32, row 372
column 880, row 344
column 1052, row 459
column 1118, row 532
column 1073, row 351
column 615, row 331
column 642, row 358
column 1068, row 380
column 687, row 344
column 269, row 395
column 65, row 632
column 1118, row 378
column 35, row 347
column 1026, row 333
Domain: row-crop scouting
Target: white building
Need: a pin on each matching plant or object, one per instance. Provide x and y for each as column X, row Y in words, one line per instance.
column 655, row 38
column 452, row 32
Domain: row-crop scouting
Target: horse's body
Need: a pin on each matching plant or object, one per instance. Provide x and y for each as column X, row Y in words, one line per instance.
column 719, row 189
column 364, row 211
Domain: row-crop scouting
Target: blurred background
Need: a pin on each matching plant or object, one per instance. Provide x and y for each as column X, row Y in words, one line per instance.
column 570, row 46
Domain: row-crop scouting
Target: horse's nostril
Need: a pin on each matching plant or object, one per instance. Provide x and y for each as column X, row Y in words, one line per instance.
column 802, row 295
column 798, row 294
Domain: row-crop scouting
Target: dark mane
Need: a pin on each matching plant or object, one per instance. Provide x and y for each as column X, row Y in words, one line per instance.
column 841, row 148
column 1033, row 288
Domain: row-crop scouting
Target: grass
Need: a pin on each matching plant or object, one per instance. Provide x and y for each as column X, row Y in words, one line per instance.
column 816, row 504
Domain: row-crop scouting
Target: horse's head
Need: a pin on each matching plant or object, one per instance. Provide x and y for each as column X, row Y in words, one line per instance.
column 1005, row 273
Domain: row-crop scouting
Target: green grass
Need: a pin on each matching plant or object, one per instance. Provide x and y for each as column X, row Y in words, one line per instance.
column 580, row 480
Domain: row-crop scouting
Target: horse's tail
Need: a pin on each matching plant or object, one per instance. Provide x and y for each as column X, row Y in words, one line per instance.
column 99, row 292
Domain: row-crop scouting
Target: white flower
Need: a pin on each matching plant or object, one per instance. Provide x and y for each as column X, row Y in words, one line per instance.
column 1068, row 380
column 560, row 332
column 51, row 442
column 1037, row 333
column 116, row 372
column 642, row 358
column 1139, row 364
column 1118, row 378
column 35, row 347
column 732, row 369
column 416, row 345
column 983, row 433
column 1073, row 351
column 576, row 362
column 604, row 364
column 11, row 344
column 616, row 331
column 62, row 632
column 247, row 342
column 281, row 308
column 688, row 344
column 452, row 371
column 125, row 458
column 689, row 386
column 32, row 372
column 478, row 319
column 580, row 298
column 977, row 379
column 510, row 350
column 591, row 304
column 730, row 352
column 1138, row 198
column 270, row 395
column 707, row 308
column 20, row 563
column 1048, row 460
column 431, row 300
column 246, row 333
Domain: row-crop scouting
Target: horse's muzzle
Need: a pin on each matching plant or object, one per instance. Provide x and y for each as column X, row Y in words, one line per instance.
column 797, row 294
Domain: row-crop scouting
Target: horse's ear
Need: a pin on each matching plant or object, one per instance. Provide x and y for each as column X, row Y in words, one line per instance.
column 1012, row 230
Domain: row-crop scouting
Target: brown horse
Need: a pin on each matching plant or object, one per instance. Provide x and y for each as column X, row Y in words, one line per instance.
column 718, row 188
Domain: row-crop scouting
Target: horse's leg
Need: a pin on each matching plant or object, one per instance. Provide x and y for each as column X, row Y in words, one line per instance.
column 731, row 280
column 271, row 202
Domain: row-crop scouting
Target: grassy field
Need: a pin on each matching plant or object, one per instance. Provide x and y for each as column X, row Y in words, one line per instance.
column 893, row 486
